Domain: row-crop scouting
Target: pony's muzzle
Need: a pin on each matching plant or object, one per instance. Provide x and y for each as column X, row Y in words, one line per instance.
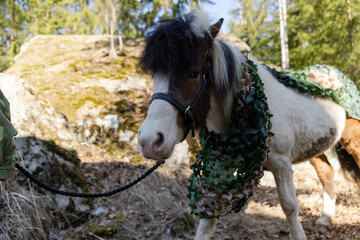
column 160, row 131
column 153, row 146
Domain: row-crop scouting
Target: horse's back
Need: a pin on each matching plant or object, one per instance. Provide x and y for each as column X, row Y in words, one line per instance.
column 304, row 126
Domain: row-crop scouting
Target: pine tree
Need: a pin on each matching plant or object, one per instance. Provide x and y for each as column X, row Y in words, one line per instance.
column 255, row 22
column 22, row 19
column 319, row 32
column 12, row 34
column 325, row 32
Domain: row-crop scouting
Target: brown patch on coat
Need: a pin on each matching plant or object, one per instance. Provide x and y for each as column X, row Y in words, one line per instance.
column 351, row 139
column 318, row 146
column 325, row 173
column 185, row 89
column 186, row 92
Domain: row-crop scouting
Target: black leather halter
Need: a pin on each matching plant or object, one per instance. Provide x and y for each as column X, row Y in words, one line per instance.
column 186, row 111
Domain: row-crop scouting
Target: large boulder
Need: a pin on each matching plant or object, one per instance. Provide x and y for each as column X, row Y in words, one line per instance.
column 102, row 100
column 33, row 116
column 45, row 142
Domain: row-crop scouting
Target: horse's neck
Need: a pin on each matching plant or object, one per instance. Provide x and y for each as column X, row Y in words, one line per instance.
column 218, row 116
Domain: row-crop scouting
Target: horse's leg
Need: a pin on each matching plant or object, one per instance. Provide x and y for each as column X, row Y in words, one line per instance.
column 325, row 173
column 280, row 166
column 205, row 229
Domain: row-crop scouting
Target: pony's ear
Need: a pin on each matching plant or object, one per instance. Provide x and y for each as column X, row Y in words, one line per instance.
column 215, row 28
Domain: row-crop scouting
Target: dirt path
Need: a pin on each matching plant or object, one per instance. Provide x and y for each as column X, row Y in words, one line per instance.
column 264, row 219
column 158, row 208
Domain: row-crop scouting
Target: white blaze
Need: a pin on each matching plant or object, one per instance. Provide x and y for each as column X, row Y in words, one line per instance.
column 160, row 121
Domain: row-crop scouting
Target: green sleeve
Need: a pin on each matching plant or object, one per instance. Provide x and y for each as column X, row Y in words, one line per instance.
column 7, row 145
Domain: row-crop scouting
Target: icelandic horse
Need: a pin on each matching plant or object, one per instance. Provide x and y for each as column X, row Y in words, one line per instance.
column 304, row 127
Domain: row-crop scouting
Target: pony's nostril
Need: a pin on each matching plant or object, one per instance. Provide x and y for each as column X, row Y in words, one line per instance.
column 159, row 142
column 141, row 143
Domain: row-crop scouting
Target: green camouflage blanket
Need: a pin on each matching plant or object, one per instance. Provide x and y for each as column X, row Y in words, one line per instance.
column 7, row 145
column 324, row 81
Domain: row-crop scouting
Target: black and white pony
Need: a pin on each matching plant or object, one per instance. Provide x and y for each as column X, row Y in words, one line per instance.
column 178, row 54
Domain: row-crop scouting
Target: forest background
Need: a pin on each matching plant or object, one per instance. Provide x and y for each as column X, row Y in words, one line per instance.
column 319, row 32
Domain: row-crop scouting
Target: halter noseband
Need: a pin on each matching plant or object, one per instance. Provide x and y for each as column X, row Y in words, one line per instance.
column 189, row 123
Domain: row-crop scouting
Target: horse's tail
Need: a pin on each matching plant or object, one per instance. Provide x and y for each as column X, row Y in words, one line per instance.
column 349, row 169
column 349, row 151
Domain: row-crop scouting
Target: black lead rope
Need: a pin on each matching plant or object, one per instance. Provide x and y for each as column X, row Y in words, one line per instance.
column 88, row 195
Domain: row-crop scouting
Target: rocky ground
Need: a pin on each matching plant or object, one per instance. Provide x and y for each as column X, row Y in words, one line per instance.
column 77, row 112
column 158, row 208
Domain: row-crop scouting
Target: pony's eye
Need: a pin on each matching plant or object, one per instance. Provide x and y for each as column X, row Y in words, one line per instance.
column 194, row 74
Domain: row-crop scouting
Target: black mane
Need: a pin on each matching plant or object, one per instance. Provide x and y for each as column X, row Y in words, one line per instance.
column 171, row 48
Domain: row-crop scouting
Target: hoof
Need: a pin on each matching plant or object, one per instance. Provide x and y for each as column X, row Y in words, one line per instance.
column 299, row 235
column 302, row 237
column 323, row 221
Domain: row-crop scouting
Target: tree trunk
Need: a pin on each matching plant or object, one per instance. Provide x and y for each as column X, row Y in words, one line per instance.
column 241, row 14
column 166, row 6
column 13, row 21
column 121, row 46
column 112, row 28
column 36, row 27
column 47, row 24
column 351, row 36
column 75, row 28
column 107, row 31
column 283, row 35
column 12, row 35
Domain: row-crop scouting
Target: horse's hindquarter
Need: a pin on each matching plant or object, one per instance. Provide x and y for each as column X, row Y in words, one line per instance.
column 304, row 126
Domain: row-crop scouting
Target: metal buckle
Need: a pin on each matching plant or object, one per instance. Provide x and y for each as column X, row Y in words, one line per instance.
column 187, row 110
column 189, row 116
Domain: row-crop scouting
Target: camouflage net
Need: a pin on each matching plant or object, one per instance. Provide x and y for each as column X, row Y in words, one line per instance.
column 229, row 166
column 323, row 81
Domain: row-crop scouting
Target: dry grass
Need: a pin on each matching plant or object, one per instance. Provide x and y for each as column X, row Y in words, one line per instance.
column 23, row 214
column 157, row 208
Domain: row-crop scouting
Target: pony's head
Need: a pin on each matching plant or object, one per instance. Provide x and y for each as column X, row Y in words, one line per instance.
column 177, row 54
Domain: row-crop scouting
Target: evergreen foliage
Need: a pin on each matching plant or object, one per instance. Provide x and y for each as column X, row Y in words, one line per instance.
column 319, row 32
column 347, row 96
column 22, row 19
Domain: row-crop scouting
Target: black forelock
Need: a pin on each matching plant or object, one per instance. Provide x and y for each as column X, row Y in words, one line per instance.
column 171, row 48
